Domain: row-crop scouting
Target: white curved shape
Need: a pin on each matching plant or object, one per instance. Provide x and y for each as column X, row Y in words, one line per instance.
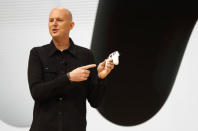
column 6, row 127
column 115, row 57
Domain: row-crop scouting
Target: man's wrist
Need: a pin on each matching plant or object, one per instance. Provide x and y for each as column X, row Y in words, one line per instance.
column 68, row 75
column 99, row 76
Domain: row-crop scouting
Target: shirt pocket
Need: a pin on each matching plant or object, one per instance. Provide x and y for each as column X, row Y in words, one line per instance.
column 49, row 73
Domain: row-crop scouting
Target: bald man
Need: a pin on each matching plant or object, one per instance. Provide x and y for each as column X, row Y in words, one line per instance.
column 61, row 76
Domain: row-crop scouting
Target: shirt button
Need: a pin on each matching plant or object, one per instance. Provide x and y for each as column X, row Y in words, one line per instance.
column 60, row 113
column 63, row 62
column 60, row 99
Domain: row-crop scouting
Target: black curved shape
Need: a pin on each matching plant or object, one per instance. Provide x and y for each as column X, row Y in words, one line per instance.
column 151, row 39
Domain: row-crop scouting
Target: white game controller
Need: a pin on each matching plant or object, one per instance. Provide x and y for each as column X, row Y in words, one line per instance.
column 115, row 57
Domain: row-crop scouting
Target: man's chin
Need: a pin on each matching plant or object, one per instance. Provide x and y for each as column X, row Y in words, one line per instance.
column 55, row 36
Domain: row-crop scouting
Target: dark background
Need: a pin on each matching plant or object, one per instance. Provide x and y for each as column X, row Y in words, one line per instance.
column 151, row 37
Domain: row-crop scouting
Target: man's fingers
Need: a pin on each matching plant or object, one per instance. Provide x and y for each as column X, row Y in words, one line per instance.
column 85, row 75
column 110, row 66
column 87, row 72
column 111, row 60
column 88, row 66
column 82, row 79
column 110, row 63
column 103, row 63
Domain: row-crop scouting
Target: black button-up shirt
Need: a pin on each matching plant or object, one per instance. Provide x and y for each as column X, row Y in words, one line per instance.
column 60, row 105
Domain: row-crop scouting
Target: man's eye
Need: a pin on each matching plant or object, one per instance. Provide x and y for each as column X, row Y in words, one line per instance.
column 50, row 20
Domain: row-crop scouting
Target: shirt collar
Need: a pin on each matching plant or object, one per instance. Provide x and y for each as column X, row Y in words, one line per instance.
column 71, row 48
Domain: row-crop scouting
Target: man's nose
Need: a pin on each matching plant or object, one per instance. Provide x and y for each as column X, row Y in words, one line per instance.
column 55, row 22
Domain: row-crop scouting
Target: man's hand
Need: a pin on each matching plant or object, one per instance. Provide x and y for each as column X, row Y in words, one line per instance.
column 103, row 70
column 81, row 73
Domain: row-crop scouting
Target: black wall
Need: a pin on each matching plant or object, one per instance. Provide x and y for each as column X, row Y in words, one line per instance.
column 151, row 37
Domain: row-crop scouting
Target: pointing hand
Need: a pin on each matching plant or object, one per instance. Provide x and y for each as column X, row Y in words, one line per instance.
column 81, row 73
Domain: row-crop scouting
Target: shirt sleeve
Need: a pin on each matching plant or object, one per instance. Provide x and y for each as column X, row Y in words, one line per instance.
column 96, row 88
column 41, row 90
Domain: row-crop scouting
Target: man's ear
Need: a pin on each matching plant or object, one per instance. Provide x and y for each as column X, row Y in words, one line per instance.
column 72, row 25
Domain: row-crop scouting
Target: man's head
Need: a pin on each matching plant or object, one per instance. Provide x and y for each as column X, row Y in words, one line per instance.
column 60, row 23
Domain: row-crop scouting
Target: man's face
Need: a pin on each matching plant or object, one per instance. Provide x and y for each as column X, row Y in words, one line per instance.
column 59, row 23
